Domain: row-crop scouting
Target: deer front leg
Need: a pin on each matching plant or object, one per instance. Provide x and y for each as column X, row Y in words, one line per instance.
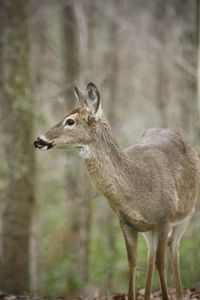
column 130, row 237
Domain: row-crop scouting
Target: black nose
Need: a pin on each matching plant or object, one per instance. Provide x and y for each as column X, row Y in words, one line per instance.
column 36, row 142
column 40, row 143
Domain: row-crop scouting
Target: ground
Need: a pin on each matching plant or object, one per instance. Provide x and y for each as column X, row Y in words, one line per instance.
column 193, row 293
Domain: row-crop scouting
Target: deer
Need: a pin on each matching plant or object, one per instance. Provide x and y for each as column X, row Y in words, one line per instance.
column 151, row 187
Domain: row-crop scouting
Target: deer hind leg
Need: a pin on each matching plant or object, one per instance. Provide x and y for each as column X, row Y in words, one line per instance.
column 130, row 237
column 160, row 258
column 151, row 238
column 173, row 244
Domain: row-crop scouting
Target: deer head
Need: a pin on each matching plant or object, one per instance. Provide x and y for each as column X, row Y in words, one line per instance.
column 75, row 130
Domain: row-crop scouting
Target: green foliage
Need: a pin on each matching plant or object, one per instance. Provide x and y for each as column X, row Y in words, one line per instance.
column 60, row 270
column 60, row 279
column 189, row 258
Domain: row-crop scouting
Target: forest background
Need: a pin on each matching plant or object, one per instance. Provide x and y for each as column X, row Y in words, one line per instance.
column 58, row 235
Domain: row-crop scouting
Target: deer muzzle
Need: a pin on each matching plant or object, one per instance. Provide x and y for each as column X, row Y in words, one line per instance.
column 42, row 143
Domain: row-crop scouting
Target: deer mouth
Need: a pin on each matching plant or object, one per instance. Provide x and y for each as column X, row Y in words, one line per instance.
column 43, row 144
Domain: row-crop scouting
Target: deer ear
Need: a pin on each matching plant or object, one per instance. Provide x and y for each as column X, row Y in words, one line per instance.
column 93, row 98
column 79, row 95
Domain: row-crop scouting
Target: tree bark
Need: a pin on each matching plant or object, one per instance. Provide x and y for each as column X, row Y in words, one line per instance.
column 198, row 51
column 77, row 182
column 18, row 128
column 114, row 83
column 71, row 51
column 162, row 72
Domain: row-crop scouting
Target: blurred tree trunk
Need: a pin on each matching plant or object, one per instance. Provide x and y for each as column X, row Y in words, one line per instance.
column 85, row 230
column 78, row 186
column 18, row 128
column 38, row 50
column 71, row 51
column 87, row 64
column 114, row 83
column 91, row 40
column 198, row 49
column 46, row 77
column 189, row 100
column 162, row 71
column 70, row 47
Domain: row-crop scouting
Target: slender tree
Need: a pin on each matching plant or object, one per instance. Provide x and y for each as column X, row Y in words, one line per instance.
column 198, row 49
column 114, row 58
column 19, row 152
column 78, row 192
column 162, row 74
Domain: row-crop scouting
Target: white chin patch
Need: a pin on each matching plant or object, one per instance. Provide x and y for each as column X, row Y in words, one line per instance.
column 44, row 148
column 85, row 152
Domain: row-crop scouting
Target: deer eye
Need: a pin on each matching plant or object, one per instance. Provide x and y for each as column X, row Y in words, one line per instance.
column 69, row 122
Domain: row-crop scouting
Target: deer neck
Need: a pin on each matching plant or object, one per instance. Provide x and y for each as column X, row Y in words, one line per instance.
column 117, row 178
column 108, row 166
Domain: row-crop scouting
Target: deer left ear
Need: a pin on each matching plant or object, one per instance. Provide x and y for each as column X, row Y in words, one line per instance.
column 93, row 99
column 79, row 95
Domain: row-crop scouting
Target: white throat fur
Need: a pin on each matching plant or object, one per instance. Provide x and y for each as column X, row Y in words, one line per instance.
column 85, row 151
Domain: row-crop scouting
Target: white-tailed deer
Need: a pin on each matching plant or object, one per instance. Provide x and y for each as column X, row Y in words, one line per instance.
column 151, row 187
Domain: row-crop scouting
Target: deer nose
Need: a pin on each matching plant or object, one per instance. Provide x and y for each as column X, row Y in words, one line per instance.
column 42, row 143
column 37, row 142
